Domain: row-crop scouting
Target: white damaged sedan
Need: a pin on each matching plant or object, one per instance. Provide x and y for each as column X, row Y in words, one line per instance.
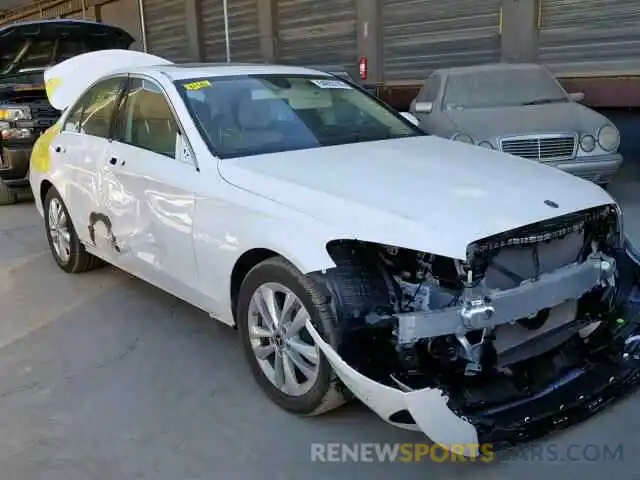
column 472, row 295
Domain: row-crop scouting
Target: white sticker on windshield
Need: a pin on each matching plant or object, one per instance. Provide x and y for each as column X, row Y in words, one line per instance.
column 331, row 84
column 262, row 94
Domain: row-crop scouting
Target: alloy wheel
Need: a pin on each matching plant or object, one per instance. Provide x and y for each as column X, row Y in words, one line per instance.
column 285, row 351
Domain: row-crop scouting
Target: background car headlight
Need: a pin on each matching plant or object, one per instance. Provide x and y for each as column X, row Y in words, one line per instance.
column 463, row 137
column 12, row 113
column 9, row 133
column 486, row 144
column 587, row 143
column 609, row 138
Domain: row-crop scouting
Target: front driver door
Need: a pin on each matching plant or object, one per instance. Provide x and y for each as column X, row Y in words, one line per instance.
column 147, row 196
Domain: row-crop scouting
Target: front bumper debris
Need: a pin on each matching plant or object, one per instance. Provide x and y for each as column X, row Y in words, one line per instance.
column 579, row 394
column 582, row 394
column 428, row 406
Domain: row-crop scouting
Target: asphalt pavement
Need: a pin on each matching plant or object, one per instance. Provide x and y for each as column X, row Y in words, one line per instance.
column 105, row 377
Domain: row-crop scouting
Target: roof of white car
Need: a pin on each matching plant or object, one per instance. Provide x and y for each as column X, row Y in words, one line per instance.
column 196, row 70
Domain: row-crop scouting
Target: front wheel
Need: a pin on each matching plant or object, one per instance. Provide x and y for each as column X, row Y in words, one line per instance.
column 274, row 304
column 68, row 252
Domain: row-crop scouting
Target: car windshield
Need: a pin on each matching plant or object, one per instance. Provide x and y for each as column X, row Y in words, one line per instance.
column 501, row 88
column 256, row 114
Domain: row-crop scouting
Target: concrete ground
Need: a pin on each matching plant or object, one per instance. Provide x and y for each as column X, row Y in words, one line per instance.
column 105, row 377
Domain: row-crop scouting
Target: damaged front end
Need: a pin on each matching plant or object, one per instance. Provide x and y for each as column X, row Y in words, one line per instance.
column 533, row 331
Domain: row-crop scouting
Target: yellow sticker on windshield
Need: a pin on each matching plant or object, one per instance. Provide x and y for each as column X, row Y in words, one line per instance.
column 199, row 85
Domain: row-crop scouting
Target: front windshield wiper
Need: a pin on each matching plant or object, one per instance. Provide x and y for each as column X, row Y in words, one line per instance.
column 541, row 101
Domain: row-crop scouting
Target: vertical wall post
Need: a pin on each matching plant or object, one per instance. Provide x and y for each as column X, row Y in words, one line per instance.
column 143, row 26
column 267, row 15
column 227, row 37
column 369, row 18
column 194, row 30
column 519, row 30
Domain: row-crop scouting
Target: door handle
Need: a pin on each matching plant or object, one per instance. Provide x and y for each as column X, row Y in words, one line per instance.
column 113, row 160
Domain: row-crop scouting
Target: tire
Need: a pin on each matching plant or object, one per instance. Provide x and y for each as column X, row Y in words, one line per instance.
column 75, row 259
column 7, row 196
column 324, row 392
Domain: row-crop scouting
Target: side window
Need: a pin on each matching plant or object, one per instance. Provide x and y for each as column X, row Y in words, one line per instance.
column 100, row 109
column 145, row 119
column 92, row 114
column 72, row 123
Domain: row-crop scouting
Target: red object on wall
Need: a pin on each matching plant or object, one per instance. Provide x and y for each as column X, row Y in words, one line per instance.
column 364, row 68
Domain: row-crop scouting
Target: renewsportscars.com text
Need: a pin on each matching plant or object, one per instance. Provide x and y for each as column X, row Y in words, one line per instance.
column 420, row 452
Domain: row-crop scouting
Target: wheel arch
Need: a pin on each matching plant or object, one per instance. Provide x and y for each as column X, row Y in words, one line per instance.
column 45, row 186
column 242, row 267
column 302, row 260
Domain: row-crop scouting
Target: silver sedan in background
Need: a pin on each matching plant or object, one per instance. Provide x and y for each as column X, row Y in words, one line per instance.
column 523, row 110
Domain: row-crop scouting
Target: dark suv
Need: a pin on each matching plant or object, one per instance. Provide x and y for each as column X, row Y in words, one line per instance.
column 26, row 50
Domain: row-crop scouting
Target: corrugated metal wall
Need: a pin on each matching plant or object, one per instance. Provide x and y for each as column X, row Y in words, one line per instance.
column 421, row 35
column 317, row 32
column 88, row 15
column 243, row 30
column 590, row 36
column 165, row 22
column 64, row 9
column 124, row 14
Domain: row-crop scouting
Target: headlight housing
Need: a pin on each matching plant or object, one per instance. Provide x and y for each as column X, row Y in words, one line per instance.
column 486, row 144
column 14, row 113
column 463, row 137
column 609, row 138
column 9, row 133
column 11, row 113
column 587, row 143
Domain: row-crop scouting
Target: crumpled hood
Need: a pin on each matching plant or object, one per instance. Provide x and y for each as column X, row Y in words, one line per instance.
column 566, row 117
column 423, row 193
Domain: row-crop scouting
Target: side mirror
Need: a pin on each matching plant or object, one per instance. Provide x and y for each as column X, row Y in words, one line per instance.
column 411, row 118
column 577, row 96
column 423, row 107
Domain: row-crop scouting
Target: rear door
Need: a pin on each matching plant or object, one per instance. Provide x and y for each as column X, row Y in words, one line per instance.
column 81, row 149
column 147, row 193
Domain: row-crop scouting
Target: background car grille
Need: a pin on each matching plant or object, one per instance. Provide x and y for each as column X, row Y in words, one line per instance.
column 541, row 148
column 43, row 109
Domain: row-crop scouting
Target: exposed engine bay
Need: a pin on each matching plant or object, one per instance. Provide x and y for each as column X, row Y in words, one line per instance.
column 527, row 312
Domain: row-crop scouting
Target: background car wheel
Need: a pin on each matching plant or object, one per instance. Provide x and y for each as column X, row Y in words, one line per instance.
column 67, row 250
column 7, row 197
column 274, row 302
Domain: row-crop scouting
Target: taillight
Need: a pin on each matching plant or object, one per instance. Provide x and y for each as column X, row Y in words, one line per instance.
column 364, row 68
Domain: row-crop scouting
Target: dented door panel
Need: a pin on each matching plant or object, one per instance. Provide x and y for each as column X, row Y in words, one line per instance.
column 150, row 205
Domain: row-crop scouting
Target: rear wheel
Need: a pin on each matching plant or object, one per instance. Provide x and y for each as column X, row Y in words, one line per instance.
column 68, row 252
column 7, row 196
column 274, row 304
